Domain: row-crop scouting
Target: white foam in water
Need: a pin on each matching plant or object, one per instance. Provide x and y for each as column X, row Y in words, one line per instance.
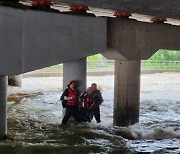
column 159, row 127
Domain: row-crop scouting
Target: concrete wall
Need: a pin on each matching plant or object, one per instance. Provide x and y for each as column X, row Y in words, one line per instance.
column 128, row 39
column 75, row 70
column 126, row 92
column 3, row 106
column 32, row 39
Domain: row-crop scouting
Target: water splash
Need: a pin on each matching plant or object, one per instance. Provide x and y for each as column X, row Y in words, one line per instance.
column 34, row 121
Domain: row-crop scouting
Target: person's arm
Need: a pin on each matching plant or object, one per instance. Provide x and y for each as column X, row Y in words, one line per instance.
column 67, row 98
column 66, row 93
column 63, row 101
column 100, row 98
column 82, row 95
column 62, row 96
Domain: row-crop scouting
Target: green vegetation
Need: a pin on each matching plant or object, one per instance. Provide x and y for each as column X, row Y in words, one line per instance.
column 162, row 59
column 160, row 64
column 97, row 57
column 166, row 55
column 98, row 61
column 94, row 61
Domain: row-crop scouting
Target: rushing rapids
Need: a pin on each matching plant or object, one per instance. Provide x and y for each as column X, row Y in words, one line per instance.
column 35, row 114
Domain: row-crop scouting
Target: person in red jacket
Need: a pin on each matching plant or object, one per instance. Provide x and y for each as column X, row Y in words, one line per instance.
column 70, row 97
column 86, row 105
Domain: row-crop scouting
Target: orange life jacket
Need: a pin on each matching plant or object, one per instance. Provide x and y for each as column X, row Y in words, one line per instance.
column 86, row 101
column 72, row 102
column 89, row 102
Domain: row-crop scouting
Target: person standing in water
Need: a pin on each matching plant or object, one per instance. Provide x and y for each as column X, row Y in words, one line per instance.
column 97, row 99
column 70, row 97
column 86, row 105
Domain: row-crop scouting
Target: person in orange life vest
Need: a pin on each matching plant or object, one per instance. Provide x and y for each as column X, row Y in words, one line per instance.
column 98, row 99
column 86, row 106
column 70, row 95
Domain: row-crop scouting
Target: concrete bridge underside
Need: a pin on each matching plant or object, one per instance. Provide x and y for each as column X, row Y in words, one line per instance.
column 32, row 39
column 158, row 8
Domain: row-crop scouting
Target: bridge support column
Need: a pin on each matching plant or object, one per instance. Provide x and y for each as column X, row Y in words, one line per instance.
column 15, row 80
column 75, row 70
column 126, row 92
column 3, row 110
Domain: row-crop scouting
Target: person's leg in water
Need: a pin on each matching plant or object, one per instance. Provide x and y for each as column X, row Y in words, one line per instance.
column 76, row 116
column 97, row 114
column 67, row 115
column 90, row 115
column 83, row 115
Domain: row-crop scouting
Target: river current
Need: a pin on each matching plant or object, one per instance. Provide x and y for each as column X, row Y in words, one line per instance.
column 35, row 114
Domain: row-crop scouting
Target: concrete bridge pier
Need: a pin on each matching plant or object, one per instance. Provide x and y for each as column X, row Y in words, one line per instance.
column 15, row 80
column 3, row 106
column 75, row 70
column 126, row 92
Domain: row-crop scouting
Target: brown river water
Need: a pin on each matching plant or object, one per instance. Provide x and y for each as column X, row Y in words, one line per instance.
column 35, row 114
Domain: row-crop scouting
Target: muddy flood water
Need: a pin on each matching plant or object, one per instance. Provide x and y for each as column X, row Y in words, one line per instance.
column 35, row 114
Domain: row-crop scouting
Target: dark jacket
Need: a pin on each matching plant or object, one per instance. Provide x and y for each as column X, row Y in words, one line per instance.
column 97, row 97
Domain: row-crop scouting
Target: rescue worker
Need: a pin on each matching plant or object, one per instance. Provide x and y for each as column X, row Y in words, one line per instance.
column 70, row 96
column 86, row 105
column 97, row 99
